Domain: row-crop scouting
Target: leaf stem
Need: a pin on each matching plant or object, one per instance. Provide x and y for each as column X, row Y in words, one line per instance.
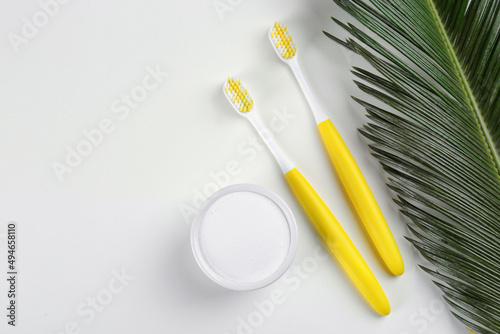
column 471, row 100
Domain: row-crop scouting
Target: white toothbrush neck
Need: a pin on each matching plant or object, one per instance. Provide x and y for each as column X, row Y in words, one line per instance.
column 318, row 112
column 268, row 138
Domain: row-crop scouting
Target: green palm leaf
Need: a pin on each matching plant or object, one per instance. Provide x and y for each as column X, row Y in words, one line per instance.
column 438, row 136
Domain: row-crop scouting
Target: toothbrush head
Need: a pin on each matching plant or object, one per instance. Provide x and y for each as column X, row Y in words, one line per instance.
column 282, row 42
column 238, row 96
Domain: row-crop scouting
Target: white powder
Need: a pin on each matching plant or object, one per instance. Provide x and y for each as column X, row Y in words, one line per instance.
column 244, row 237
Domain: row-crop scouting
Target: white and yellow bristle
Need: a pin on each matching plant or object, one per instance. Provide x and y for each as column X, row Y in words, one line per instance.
column 238, row 95
column 282, row 41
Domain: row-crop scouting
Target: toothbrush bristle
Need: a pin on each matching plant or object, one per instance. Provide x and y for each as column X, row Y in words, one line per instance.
column 282, row 41
column 238, row 95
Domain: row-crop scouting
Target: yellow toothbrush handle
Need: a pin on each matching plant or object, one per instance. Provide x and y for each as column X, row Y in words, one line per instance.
column 338, row 241
column 361, row 197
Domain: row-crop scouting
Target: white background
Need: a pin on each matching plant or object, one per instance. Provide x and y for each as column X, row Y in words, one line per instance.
column 123, row 207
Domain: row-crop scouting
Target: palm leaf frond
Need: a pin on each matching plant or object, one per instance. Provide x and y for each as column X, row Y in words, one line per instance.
column 437, row 70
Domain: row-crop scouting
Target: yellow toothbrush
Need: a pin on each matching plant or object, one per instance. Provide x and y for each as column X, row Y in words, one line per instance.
column 327, row 227
column 354, row 183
